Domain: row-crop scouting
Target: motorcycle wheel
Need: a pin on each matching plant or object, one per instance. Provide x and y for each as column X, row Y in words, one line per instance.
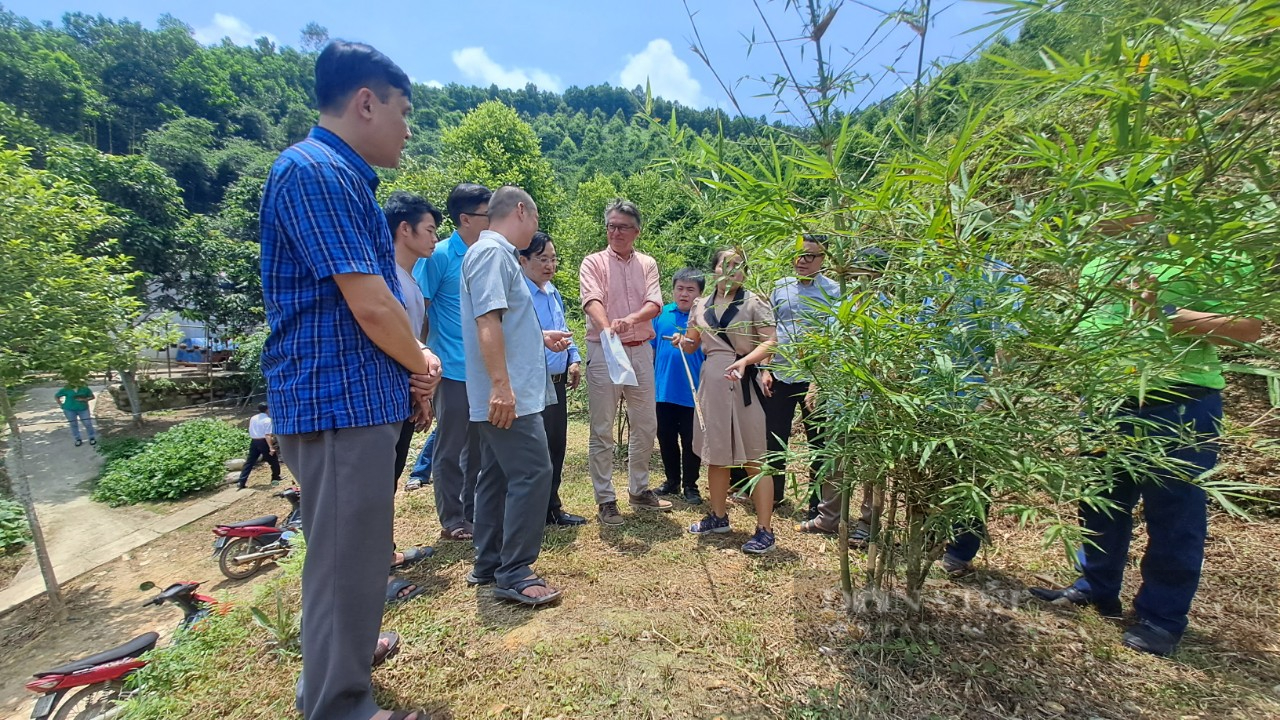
column 92, row 702
column 239, row 546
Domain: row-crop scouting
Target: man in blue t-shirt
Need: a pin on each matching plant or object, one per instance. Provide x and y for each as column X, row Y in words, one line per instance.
column 456, row 459
column 676, row 380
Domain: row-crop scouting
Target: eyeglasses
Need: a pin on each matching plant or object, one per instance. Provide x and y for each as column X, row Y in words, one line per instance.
column 483, row 215
column 615, row 227
column 547, row 260
column 810, row 257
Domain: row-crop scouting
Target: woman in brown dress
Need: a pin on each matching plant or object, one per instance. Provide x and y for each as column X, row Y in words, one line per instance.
column 735, row 329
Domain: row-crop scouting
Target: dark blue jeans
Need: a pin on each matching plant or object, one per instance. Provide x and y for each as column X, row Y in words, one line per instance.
column 1177, row 520
column 968, row 540
column 422, row 468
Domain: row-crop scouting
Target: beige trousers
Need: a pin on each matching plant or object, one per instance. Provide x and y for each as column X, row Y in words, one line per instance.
column 602, row 399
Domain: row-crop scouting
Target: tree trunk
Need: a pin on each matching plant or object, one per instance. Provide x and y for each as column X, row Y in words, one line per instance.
column 846, row 572
column 18, row 478
column 129, row 378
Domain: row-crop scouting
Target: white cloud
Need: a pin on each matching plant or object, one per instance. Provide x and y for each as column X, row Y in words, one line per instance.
column 668, row 75
column 229, row 26
column 434, row 84
column 476, row 65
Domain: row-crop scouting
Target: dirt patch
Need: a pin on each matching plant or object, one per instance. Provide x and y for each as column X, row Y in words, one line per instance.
column 12, row 562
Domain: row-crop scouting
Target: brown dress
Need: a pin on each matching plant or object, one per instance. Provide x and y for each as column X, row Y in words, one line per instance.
column 735, row 427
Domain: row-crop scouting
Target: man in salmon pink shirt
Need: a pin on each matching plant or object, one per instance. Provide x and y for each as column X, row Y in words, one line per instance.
column 621, row 294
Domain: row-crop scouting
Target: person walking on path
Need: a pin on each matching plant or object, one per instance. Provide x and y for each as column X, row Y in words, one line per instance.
column 507, row 388
column 539, row 262
column 73, row 399
column 342, row 365
column 262, row 445
column 455, row 458
column 735, row 329
column 676, row 380
column 620, row 293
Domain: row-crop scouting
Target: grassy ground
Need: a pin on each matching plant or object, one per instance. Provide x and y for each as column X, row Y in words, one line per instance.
column 656, row 623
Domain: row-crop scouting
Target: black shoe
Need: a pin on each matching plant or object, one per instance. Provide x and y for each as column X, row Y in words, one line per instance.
column 1147, row 638
column 692, row 496
column 562, row 518
column 668, row 489
column 1108, row 608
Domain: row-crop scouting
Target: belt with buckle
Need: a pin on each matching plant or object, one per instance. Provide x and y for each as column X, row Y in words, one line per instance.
column 558, row 378
column 635, row 343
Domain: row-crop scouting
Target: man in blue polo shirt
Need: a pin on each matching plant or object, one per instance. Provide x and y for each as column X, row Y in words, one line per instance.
column 456, row 460
column 676, row 376
column 343, row 368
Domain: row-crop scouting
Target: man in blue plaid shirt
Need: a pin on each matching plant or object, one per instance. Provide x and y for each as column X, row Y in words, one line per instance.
column 343, row 368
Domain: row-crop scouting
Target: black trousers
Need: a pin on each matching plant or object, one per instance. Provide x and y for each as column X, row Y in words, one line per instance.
column 675, row 444
column 555, row 421
column 779, row 414
column 259, row 449
column 402, row 450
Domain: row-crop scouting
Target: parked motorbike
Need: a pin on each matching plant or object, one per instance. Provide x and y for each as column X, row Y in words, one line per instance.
column 100, row 678
column 243, row 547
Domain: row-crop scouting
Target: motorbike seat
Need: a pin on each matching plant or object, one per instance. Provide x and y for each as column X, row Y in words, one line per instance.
column 265, row 521
column 131, row 649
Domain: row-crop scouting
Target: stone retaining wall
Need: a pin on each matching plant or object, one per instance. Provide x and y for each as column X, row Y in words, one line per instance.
column 166, row 393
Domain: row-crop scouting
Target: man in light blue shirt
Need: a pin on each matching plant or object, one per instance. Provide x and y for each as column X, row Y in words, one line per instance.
column 799, row 303
column 539, row 262
column 456, row 459
column 507, row 389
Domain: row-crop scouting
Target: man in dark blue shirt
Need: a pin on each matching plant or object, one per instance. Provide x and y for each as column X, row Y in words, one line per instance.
column 343, row 368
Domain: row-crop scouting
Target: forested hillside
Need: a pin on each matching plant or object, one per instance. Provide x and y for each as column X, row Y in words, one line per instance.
column 176, row 138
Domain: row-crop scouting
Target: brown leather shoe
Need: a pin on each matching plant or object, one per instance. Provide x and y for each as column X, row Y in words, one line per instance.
column 649, row 500
column 609, row 514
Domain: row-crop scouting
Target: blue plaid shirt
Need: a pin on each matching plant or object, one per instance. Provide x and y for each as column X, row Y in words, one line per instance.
column 320, row 219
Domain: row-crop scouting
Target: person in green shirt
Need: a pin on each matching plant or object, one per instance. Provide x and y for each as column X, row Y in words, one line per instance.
column 74, row 401
column 1181, row 407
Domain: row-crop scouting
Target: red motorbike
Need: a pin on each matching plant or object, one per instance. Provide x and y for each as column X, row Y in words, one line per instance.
column 100, row 678
column 243, row 547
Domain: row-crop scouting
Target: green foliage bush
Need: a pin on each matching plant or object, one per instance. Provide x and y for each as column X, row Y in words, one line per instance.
column 13, row 526
column 177, row 462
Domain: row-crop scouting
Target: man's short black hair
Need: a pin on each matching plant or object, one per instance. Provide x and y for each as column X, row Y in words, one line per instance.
column 465, row 198
column 536, row 245
column 345, row 67
column 407, row 207
column 691, row 275
column 815, row 239
column 262, row 407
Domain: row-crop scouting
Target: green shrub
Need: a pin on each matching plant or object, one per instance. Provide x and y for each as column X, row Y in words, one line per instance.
column 175, row 463
column 121, row 448
column 13, row 526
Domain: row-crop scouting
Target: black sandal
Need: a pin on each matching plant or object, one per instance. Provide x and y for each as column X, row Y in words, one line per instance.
column 413, row 556
column 515, row 593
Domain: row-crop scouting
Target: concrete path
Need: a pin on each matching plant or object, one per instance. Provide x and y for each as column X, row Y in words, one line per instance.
column 81, row 534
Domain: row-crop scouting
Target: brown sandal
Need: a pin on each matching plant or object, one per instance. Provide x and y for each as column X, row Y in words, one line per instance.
column 458, row 533
column 387, row 648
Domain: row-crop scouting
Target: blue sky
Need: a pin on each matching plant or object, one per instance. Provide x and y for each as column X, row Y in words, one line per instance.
column 560, row 43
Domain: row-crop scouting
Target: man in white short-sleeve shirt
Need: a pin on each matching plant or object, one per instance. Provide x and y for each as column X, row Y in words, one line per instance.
column 262, row 445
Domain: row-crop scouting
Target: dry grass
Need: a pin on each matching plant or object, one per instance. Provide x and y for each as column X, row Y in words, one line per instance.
column 657, row 623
